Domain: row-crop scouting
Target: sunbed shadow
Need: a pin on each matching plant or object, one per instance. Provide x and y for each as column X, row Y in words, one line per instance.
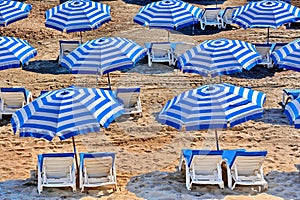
column 257, row 72
column 20, row 189
column 5, row 120
column 156, row 68
column 190, row 30
column 138, row 2
column 274, row 116
column 172, row 185
column 45, row 67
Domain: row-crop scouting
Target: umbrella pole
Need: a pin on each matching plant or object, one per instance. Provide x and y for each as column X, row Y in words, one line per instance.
column 74, row 148
column 216, row 3
column 108, row 79
column 81, row 37
column 168, row 36
column 217, row 142
column 76, row 160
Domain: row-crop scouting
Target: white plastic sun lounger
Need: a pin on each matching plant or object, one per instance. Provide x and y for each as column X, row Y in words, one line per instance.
column 210, row 17
column 12, row 99
column 97, row 169
column 130, row 99
column 66, row 47
column 56, row 170
column 265, row 51
column 246, row 169
column 202, row 167
column 159, row 52
column 226, row 16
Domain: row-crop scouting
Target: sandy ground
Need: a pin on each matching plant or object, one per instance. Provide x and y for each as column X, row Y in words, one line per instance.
column 148, row 152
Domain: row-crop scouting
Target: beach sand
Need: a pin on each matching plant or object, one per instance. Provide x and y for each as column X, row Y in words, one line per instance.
column 148, row 152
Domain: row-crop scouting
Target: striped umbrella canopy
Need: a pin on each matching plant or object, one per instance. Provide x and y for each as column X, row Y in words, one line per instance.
column 214, row 106
column 288, row 56
column 219, row 57
column 104, row 55
column 266, row 14
column 15, row 51
column 11, row 11
column 77, row 16
column 167, row 14
column 292, row 111
column 66, row 113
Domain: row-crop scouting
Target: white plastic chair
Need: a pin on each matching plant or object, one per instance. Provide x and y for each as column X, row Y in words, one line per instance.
column 202, row 167
column 159, row 52
column 265, row 51
column 210, row 17
column 97, row 169
column 56, row 170
column 66, row 47
column 226, row 16
column 246, row 169
column 12, row 99
column 130, row 99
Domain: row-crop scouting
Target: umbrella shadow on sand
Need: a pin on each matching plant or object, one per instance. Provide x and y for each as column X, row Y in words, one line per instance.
column 172, row 185
column 257, row 72
column 45, row 67
column 274, row 116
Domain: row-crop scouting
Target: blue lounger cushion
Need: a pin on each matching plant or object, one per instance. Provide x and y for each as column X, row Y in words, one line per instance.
column 247, row 153
column 53, row 155
column 95, row 155
column 189, row 153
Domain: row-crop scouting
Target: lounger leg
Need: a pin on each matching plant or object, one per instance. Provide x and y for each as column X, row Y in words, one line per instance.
column 187, row 178
column 39, row 186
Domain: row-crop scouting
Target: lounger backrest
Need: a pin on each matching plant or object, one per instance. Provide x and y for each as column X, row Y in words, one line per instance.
column 190, row 154
column 228, row 13
column 129, row 97
column 97, row 164
column 248, row 163
column 13, row 99
column 206, row 164
column 211, row 14
column 98, row 167
column 160, row 49
column 66, row 46
column 279, row 45
column 57, row 167
column 264, row 49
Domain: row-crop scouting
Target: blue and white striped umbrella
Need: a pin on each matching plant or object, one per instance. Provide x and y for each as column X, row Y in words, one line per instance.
column 288, row 56
column 292, row 111
column 168, row 14
column 77, row 15
column 104, row 55
column 266, row 14
column 219, row 57
column 66, row 113
column 212, row 107
column 14, row 51
column 11, row 11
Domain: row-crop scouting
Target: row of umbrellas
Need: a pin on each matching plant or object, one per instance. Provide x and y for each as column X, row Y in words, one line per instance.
column 85, row 15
